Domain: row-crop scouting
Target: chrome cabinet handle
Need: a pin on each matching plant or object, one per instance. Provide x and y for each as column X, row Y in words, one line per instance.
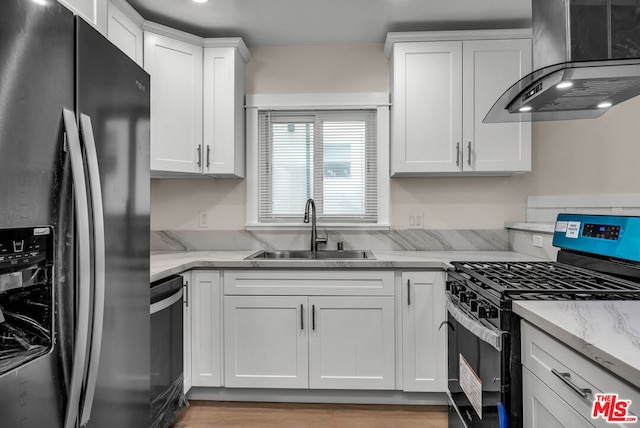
column 199, row 149
column 208, row 153
column 301, row 317
column 566, row 378
column 313, row 317
column 186, row 293
column 469, row 159
column 99, row 264
column 84, row 267
column 408, row 292
column 458, row 154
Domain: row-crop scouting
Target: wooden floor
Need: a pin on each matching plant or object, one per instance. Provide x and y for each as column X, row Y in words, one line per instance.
column 200, row 414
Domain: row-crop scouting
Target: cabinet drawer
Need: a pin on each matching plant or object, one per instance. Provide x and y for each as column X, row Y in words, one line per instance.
column 308, row 282
column 543, row 355
column 544, row 409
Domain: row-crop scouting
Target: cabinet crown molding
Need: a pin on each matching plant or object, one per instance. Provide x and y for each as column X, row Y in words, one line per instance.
column 163, row 30
column 129, row 11
column 229, row 42
column 439, row 36
column 217, row 42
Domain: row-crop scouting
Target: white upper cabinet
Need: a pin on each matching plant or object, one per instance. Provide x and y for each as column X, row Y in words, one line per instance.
column 443, row 84
column 92, row 11
column 197, row 103
column 489, row 68
column 175, row 67
column 224, row 87
column 124, row 29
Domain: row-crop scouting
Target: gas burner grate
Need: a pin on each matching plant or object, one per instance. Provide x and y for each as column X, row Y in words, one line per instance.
column 518, row 278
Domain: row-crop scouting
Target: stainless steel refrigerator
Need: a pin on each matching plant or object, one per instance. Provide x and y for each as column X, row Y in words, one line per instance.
column 74, row 224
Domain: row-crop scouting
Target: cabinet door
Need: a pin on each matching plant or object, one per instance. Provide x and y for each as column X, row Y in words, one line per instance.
column 266, row 341
column 352, row 343
column 124, row 33
column 206, row 299
column 542, row 408
column 223, row 112
column 490, row 66
column 187, row 327
column 176, row 103
column 427, row 107
column 424, row 343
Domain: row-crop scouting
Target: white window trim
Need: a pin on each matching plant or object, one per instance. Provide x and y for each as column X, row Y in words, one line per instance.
column 367, row 100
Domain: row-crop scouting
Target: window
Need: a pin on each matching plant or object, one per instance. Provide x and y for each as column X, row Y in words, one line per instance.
column 329, row 156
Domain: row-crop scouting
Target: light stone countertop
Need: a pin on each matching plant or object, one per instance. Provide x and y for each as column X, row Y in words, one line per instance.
column 607, row 332
column 164, row 264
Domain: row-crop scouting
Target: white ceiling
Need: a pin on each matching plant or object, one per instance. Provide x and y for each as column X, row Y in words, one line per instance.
column 322, row 22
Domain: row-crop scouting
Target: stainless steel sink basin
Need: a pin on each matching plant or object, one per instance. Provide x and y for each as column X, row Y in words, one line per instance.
column 308, row 255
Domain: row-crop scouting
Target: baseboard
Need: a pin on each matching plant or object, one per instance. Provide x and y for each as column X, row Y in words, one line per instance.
column 318, row 396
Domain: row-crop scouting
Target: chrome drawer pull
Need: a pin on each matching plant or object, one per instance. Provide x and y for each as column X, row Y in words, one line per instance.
column 566, row 378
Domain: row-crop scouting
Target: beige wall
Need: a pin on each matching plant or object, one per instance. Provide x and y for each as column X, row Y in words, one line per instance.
column 570, row 157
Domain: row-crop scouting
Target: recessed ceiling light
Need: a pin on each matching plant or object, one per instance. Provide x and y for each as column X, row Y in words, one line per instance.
column 200, row 1
column 564, row 85
column 524, row 109
column 605, row 104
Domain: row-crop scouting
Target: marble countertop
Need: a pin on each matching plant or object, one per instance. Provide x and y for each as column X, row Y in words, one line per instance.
column 607, row 332
column 164, row 264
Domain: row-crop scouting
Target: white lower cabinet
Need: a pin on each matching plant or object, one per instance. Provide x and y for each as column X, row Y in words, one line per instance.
column 351, row 343
column 560, row 385
column 265, row 342
column 545, row 409
column 206, row 312
column 309, row 340
column 312, row 329
column 424, row 366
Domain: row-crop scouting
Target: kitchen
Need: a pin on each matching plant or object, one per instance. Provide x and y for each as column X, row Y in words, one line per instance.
column 568, row 158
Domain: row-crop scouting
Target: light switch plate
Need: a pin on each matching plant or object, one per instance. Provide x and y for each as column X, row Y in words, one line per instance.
column 537, row 241
column 416, row 221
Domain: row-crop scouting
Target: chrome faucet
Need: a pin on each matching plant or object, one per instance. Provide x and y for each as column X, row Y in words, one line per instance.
column 311, row 205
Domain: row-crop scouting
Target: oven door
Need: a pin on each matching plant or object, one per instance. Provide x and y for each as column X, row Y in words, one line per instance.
column 475, row 364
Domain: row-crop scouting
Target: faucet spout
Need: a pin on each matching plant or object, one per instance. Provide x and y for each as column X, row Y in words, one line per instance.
column 310, row 211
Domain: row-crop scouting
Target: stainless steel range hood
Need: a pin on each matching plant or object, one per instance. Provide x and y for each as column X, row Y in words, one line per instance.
column 586, row 54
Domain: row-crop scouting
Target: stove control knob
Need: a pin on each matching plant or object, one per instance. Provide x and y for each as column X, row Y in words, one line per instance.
column 473, row 305
column 460, row 289
column 482, row 311
column 492, row 312
column 463, row 297
column 486, row 311
column 450, row 286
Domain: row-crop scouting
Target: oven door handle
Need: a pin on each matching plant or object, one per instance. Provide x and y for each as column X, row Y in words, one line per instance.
column 482, row 332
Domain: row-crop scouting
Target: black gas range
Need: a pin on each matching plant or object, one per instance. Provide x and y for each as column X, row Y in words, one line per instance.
column 599, row 258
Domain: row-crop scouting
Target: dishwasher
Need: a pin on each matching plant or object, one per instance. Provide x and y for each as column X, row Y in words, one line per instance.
column 167, row 390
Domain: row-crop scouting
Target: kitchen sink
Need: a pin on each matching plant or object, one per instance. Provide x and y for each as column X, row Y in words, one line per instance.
column 308, row 255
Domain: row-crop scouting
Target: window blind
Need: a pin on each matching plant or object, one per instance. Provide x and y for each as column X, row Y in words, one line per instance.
column 329, row 156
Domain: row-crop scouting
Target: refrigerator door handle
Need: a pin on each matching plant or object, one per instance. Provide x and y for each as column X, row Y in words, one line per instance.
column 86, row 130
column 84, row 267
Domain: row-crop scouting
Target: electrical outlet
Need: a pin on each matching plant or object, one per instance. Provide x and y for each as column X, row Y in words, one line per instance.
column 537, row 241
column 416, row 221
column 203, row 221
